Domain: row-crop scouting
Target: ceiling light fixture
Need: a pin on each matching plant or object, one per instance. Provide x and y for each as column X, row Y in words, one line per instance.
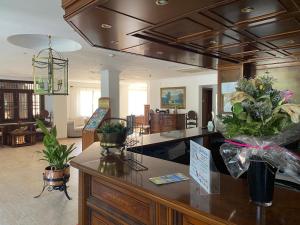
column 247, row 9
column 114, row 42
column 111, row 55
column 50, row 72
column 161, row 2
column 106, row 26
column 213, row 42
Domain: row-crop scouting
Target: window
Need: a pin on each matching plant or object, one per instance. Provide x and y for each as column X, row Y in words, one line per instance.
column 17, row 101
column 36, row 105
column 23, row 106
column 88, row 101
column 9, row 113
column 137, row 98
column 83, row 101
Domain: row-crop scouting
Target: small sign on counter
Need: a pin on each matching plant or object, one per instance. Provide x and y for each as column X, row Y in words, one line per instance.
column 200, row 165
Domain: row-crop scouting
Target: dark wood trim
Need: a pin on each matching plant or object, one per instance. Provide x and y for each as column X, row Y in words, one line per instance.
column 84, row 191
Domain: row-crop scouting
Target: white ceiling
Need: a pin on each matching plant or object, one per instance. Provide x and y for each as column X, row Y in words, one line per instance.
column 46, row 17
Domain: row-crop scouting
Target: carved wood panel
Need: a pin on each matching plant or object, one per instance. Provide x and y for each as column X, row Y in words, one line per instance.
column 188, row 27
column 98, row 219
column 246, row 10
column 138, row 208
column 191, row 221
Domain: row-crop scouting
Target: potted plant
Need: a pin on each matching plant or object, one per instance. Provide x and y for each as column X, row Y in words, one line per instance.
column 57, row 155
column 112, row 134
column 263, row 119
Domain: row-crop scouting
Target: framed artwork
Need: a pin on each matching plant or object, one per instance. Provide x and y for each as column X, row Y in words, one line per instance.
column 172, row 97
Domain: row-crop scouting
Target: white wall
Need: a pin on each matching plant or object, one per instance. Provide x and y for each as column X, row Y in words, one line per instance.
column 193, row 86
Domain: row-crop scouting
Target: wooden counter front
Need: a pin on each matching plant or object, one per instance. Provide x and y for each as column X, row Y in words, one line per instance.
column 112, row 193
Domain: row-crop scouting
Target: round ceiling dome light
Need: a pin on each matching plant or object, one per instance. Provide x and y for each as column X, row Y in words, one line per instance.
column 213, row 42
column 161, row 2
column 41, row 41
column 106, row 26
column 247, row 9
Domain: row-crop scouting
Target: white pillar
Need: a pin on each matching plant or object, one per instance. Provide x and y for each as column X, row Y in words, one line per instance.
column 110, row 87
column 60, row 114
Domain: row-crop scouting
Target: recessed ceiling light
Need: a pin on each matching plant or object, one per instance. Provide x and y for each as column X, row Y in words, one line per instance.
column 114, row 42
column 247, row 9
column 161, row 2
column 159, row 53
column 291, row 42
column 106, row 26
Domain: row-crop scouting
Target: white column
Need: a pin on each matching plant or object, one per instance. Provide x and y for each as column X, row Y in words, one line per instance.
column 60, row 117
column 110, row 87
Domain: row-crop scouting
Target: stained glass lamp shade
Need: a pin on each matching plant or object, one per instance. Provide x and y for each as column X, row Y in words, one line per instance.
column 50, row 72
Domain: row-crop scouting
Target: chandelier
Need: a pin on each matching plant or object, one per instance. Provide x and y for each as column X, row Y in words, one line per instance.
column 50, row 72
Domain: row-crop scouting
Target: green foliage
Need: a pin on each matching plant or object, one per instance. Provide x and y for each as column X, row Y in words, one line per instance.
column 257, row 109
column 112, row 128
column 56, row 154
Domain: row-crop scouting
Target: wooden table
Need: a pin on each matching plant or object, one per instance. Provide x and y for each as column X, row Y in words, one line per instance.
column 112, row 193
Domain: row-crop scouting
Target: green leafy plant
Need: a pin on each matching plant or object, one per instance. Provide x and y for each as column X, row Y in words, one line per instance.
column 260, row 110
column 111, row 127
column 56, row 154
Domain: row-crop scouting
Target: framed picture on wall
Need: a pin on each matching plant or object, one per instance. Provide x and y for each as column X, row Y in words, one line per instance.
column 171, row 97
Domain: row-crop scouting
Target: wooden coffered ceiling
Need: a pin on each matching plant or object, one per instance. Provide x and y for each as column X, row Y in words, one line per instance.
column 202, row 33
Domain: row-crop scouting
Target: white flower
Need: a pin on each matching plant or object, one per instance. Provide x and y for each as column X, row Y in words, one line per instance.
column 293, row 110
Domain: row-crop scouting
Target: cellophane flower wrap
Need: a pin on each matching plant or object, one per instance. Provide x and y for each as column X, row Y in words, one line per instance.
column 263, row 119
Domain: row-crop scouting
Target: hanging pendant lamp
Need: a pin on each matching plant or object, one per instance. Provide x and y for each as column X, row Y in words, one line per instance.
column 50, row 72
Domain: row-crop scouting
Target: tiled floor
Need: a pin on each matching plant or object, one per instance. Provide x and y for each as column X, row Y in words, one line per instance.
column 21, row 179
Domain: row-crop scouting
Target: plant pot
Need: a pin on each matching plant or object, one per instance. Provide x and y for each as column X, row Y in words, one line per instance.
column 56, row 177
column 111, row 140
column 261, row 177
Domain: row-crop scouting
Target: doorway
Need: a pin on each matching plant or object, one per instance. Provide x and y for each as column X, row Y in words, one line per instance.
column 207, row 98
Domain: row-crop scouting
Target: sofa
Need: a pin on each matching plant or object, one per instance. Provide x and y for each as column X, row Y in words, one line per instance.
column 75, row 127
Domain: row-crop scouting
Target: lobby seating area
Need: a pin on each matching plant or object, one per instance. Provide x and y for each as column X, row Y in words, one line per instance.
column 75, row 127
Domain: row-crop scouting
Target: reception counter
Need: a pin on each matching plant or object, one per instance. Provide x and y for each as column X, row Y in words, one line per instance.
column 112, row 193
column 149, row 140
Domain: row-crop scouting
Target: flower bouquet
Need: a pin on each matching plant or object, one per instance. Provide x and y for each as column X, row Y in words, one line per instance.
column 263, row 119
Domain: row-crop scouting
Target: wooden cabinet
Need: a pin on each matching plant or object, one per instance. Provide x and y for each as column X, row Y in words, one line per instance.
column 191, row 221
column 98, row 219
column 160, row 122
column 129, row 207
